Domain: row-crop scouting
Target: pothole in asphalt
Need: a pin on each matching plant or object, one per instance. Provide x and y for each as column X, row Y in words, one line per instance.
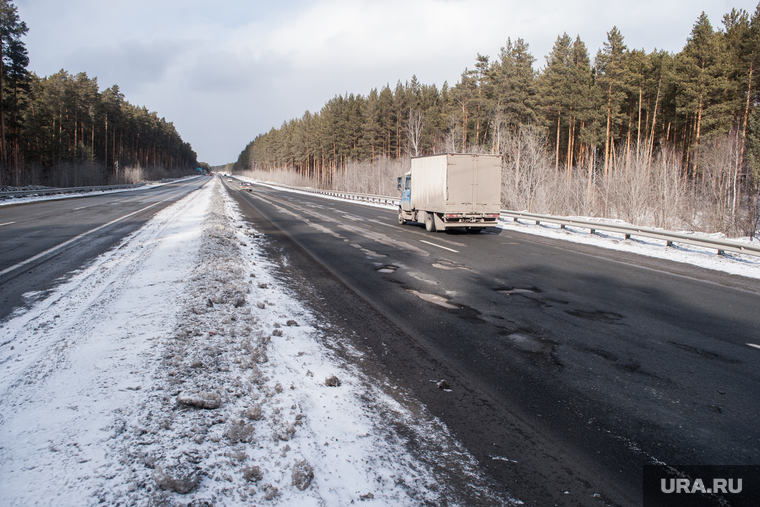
column 433, row 298
column 444, row 264
column 367, row 252
column 526, row 342
column 516, row 290
column 387, row 268
column 541, row 350
column 597, row 315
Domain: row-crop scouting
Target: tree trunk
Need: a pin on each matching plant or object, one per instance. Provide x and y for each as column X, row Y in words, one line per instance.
column 3, row 157
column 638, row 128
column 556, row 151
column 570, row 146
column 654, row 123
column 746, row 110
column 607, row 136
column 628, row 142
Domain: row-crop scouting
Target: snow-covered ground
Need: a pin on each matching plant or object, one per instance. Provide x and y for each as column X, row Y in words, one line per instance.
column 735, row 264
column 176, row 369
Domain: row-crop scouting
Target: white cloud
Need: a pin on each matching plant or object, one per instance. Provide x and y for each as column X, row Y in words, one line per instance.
column 227, row 72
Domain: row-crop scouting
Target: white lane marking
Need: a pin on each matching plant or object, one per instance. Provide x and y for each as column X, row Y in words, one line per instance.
column 439, row 246
column 754, row 345
column 58, row 247
column 7, row 223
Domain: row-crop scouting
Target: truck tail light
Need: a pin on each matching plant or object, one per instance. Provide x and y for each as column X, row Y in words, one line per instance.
column 453, row 215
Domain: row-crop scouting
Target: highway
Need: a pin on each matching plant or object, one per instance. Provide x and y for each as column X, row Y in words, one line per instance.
column 570, row 367
column 42, row 241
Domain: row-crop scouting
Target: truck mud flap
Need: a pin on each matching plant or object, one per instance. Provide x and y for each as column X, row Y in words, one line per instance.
column 440, row 225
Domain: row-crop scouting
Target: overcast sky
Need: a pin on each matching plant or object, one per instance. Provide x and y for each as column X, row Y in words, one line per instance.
column 228, row 70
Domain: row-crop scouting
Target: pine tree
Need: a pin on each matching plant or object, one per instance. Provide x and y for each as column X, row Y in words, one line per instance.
column 13, row 63
column 555, row 85
column 612, row 81
column 700, row 76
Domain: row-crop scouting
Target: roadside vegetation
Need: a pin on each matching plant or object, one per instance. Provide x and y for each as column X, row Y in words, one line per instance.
column 63, row 131
column 656, row 139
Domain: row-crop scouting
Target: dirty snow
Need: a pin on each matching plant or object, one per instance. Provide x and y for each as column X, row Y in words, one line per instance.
column 177, row 369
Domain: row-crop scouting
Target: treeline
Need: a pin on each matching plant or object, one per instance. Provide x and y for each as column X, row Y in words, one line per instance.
column 61, row 130
column 623, row 108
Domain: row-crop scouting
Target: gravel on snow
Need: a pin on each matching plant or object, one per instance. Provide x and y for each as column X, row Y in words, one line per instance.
column 176, row 369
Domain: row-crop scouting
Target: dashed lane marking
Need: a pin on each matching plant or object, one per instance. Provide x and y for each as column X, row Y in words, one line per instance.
column 7, row 223
column 754, row 345
column 439, row 246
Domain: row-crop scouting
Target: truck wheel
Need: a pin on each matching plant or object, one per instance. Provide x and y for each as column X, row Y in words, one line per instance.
column 429, row 222
column 401, row 216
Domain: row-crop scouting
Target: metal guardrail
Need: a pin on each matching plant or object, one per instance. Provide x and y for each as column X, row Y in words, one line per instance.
column 721, row 245
column 53, row 191
column 378, row 199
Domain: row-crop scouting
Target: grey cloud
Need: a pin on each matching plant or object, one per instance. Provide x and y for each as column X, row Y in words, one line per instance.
column 132, row 64
column 221, row 72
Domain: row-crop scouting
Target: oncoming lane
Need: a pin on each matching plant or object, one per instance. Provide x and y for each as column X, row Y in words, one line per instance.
column 44, row 240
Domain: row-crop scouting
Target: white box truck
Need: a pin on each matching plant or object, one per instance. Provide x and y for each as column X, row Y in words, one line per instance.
column 452, row 191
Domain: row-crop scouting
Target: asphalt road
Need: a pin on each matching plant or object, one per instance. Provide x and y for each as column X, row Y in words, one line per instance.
column 570, row 366
column 42, row 241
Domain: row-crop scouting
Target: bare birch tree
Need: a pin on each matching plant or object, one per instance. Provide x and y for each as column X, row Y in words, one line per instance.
column 414, row 130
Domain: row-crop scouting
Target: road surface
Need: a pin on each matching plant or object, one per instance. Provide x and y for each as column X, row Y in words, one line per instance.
column 570, row 367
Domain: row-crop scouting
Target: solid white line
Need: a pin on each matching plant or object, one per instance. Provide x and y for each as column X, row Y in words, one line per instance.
column 58, row 247
column 754, row 345
column 7, row 223
column 439, row 246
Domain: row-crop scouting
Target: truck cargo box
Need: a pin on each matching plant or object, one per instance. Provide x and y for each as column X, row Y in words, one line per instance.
column 456, row 183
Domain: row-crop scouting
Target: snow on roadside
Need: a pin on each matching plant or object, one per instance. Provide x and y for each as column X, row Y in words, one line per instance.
column 177, row 370
column 731, row 263
column 83, row 353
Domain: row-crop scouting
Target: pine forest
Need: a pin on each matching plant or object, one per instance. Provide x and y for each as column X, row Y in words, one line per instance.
column 62, row 131
column 658, row 139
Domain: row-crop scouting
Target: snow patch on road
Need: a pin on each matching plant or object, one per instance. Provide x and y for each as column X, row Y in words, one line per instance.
column 176, row 369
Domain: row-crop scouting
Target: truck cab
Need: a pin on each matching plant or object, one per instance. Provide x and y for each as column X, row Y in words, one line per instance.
column 405, row 187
